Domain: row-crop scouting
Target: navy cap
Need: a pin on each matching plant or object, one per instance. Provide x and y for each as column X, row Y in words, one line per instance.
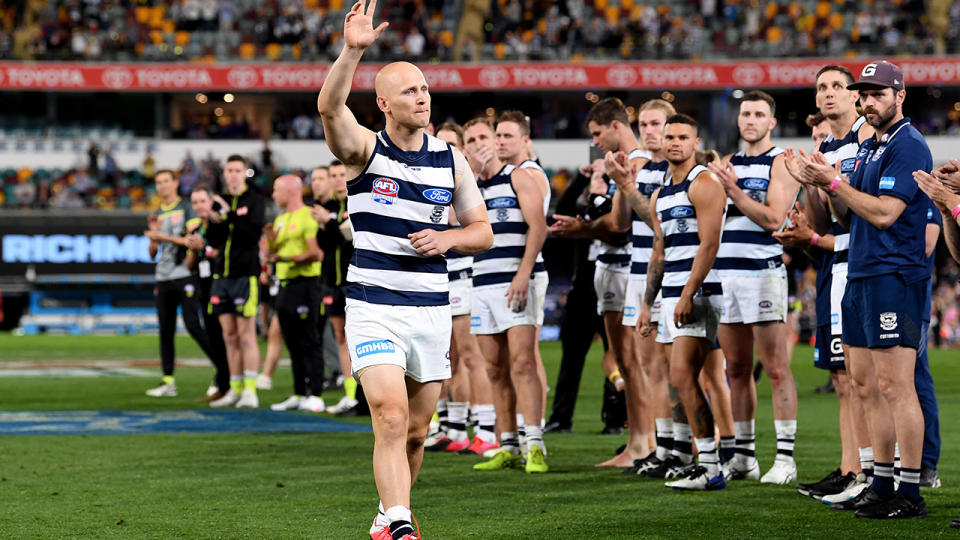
column 879, row 73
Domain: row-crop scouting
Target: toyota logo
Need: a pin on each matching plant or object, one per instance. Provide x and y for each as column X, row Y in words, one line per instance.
column 494, row 77
column 621, row 76
column 117, row 78
column 243, row 77
column 748, row 75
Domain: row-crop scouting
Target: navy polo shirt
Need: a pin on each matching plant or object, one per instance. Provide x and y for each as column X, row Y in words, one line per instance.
column 885, row 167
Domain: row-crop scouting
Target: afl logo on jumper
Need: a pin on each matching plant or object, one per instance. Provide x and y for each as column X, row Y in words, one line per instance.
column 385, row 190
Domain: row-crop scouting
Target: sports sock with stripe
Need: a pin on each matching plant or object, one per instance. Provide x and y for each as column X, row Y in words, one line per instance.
column 882, row 478
column 486, row 419
column 664, row 437
column 509, row 441
column 746, row 442
column 707, row 455
column 910, row 484
column 400, row 521
column 727, row 448
column 786, row 438
column 457, row 420
column 535, row 438
column 682, row 442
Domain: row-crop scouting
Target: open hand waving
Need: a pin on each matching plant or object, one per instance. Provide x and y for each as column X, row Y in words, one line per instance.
column 358, row 30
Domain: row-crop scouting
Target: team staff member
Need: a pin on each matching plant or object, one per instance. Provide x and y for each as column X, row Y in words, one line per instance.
column 200, row 260
column 175, row 285
column 292, row 247
column 237, row 223
column 887, row 282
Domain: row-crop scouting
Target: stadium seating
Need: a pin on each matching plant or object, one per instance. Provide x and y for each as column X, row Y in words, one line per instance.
column 633, row 29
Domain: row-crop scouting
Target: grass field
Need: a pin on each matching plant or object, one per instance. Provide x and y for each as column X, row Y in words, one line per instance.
column 321, row 485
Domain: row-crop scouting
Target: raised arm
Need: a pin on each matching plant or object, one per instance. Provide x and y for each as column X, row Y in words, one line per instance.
column 624, row 173
column 347, row 139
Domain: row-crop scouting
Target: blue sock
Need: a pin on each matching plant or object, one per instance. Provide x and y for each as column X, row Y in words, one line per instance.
column 910, row 484
column 882, row 478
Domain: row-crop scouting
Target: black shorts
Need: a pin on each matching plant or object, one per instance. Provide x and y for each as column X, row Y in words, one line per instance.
column 334, row 303
column 300, row 297
column 237, row 296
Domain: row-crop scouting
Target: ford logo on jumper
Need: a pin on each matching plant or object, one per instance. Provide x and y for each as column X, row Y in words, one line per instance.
column 436, row 195
column 503, row 202
column 755, row 183
column 385, row 190
column 681, row 212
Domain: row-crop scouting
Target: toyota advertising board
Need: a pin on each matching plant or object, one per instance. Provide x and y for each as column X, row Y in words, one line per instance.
column 170, row 77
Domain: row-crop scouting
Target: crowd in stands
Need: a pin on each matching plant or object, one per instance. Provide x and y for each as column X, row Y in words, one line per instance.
column 308, row 30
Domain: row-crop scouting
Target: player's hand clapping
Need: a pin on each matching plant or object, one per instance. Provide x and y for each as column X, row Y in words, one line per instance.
column 725, row 173
column 945, row 199
column 799, row 234
column 617, row 166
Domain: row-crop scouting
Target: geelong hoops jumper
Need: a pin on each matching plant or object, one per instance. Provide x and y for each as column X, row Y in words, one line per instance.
column 399, row 193
column 500, row 263
column 745, row 245
column 649, row 178
column 681, row 241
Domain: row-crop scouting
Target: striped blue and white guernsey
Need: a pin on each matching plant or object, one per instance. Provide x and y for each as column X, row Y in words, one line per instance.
column 499, row 264
column 459, row 266
column 746, row 246
column 609, row 255
column 399, row 193
column 649, row 178
column 678, row 222
column 845, row 151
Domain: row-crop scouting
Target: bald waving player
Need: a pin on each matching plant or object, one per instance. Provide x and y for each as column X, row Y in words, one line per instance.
column 398, row 320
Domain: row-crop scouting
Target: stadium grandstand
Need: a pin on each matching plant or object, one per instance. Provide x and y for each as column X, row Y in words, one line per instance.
column 106, row 103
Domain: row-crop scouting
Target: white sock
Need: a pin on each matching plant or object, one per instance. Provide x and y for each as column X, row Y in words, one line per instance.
column 664, row 437
column 682, row 438
column 486, row 419
column 866, row 459
column 521, row 434
column 786, row 438
column 746, row 442
column 381, row 520
column 535, row 438
column 509, row 441
column 708, row 456
column 399, row 513
column 457, row 420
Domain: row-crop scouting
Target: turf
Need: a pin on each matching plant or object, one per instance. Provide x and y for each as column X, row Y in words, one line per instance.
column 321, row 485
